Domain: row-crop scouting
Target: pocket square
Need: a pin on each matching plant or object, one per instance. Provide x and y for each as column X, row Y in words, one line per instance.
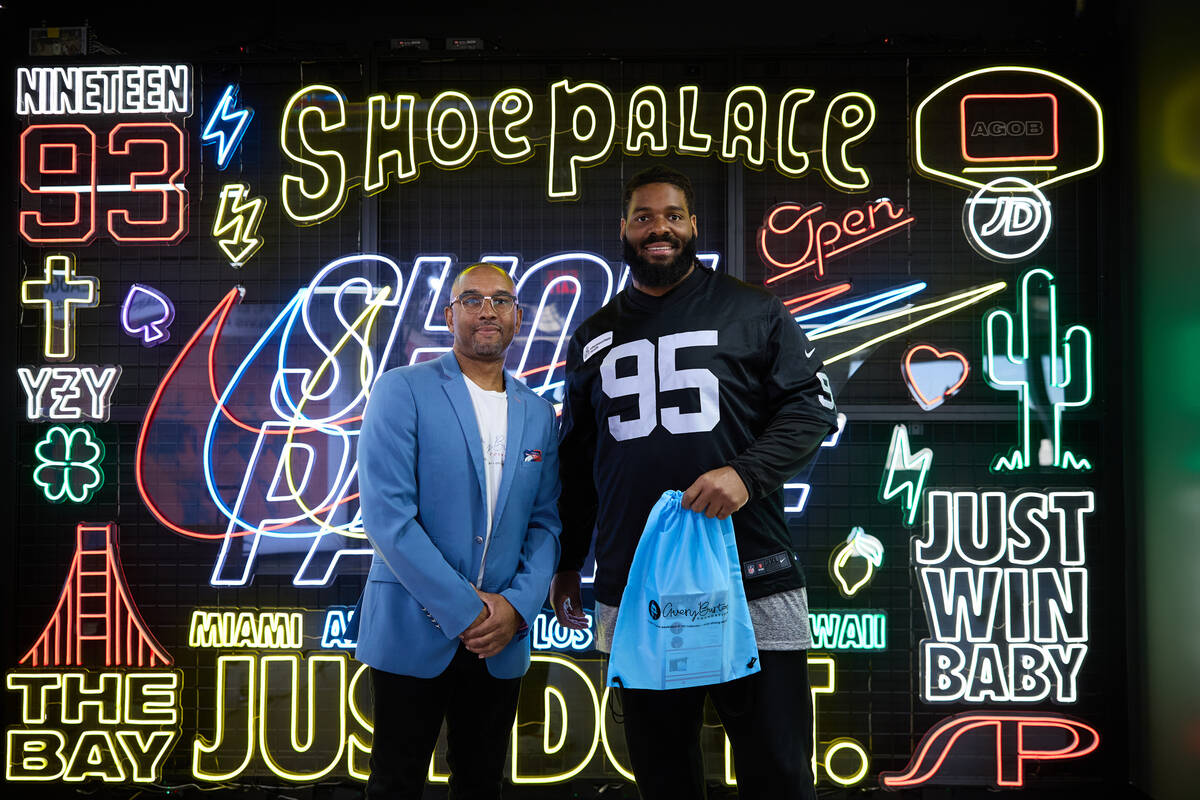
column 533, row 455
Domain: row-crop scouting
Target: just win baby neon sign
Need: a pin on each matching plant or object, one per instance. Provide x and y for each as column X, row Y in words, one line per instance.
column 1004, row 581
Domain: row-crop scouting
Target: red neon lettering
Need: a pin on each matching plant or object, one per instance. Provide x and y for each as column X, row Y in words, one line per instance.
column 1014, row 738
column 822, row 241
column 65, row 213
column 165, row 143
column 58, row 173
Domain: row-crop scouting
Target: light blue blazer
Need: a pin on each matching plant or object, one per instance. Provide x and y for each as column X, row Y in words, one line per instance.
column 423, row 497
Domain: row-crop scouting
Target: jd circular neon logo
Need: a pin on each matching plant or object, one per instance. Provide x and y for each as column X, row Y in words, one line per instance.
column 1007, row 219
column 655, row 611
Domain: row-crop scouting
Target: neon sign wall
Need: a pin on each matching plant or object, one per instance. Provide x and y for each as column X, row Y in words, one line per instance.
column 286, row 245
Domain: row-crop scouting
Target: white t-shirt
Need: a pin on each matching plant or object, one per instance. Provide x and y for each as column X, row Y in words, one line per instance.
column 491, row 416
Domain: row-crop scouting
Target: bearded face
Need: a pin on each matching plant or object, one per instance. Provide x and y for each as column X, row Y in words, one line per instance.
column 655, row 273
column 658, row 236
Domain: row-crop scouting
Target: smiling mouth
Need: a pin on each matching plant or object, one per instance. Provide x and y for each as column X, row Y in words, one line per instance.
column 659, row 248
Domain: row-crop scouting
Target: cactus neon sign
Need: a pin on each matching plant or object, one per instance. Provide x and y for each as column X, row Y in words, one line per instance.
column 1064, row 363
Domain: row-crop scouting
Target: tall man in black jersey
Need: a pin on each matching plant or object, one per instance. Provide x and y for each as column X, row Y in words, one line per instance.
column 694, row 380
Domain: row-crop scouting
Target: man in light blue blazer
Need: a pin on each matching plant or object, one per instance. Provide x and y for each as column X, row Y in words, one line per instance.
column 458, row 474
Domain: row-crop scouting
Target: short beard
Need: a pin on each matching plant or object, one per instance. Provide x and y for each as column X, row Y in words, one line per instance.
column 660, row 276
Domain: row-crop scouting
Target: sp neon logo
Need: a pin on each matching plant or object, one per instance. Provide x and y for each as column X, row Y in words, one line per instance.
column 953, row 751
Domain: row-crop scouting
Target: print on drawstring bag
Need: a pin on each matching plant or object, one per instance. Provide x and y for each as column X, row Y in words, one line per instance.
column 683, row 619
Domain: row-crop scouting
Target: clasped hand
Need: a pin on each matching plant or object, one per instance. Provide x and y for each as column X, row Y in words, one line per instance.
column 494, row 628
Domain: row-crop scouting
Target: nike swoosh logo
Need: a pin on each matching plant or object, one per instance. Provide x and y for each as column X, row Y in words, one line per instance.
column 808, row 353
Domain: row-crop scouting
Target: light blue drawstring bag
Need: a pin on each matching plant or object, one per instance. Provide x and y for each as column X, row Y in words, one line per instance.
column 683, row 619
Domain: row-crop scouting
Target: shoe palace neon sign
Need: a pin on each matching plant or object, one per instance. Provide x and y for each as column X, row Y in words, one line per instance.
column 330, row 143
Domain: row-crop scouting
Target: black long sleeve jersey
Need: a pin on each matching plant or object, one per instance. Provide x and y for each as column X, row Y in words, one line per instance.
column 663, row 389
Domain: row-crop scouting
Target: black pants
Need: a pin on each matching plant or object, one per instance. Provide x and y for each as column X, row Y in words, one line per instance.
column 767, row 716
column 479, row 711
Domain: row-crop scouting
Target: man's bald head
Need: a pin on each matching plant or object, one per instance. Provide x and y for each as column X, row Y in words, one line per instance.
column 456, row 287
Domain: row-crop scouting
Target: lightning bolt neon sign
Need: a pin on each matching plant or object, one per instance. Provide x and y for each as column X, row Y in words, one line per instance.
column 225, row 127
column 901, row 458
column 236, row 224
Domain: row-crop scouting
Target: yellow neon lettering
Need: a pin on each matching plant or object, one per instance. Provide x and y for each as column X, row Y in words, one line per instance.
column 225, row 747
column 104, row 693
column 319, row 734
column 612, row 759
column 591, row 127
column 690, row 141
column 34, row 687
column 647, row 121
column 817, row 687
column 309, row 198
column 788, row 159
column 551, row 749
column 35, row 755
column 850, row 116
column 146, row 755
column 384, row 132
column 95, row 755
column 516, row 106
column 280, row 630
column 447, row 153
column 358, row 760
column 573, row 770
column 151, row 698
column 745, row 113
column 851, row 746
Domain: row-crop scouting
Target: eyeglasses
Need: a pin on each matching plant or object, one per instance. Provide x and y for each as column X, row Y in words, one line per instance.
column 473, row 303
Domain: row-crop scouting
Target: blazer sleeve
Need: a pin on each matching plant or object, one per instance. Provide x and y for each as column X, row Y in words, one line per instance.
column 387, row 478
column 539, row 552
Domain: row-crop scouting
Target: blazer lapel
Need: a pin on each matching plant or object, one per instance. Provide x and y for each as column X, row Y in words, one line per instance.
column 513, row 453
column 460, row 400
